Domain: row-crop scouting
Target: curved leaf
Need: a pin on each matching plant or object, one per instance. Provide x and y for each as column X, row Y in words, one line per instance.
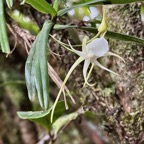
column 56, row 4
column 24, row 22
column 109, row 34
column 3, row 32
column 115, row 35
column 59, row 123
column 95, row 2
column 42, row 6
column 9, row 3
column 43, row 117
column 36, row 69
column 64, row 11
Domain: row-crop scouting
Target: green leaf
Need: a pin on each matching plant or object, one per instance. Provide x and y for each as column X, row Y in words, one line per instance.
column 42, row 6
column 39, row 117
column 9, row 3
column 33, row 115
column 56, row 4
column 123, row 1
column 43, row 117
column 60, row 27
column 36, row 69
column 3, row 32
column 109, row 34
column 64, row 120
column 117, row 36
column 24, row 22
column 64, row 11
column 95, row 2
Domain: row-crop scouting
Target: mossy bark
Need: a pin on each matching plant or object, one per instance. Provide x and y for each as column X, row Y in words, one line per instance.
column 125, row 124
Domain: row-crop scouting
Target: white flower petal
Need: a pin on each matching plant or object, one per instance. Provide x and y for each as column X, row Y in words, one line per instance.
column 84, row 44
column 101, row 66
column 85, row 68
column 87, row 76
column 81, row 54
column 113, row 54
column 99, row 47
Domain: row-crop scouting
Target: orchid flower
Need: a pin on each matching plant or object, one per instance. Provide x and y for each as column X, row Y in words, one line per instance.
column 96, row 48
column 90, row 53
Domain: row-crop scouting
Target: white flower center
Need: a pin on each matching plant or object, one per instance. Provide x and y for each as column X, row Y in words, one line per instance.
column 90, row 54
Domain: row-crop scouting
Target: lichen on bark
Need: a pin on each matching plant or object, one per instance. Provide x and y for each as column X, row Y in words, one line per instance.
column 129, row 87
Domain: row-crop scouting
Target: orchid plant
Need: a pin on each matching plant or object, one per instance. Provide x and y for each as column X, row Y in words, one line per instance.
column 90, row 53
column 92, row 50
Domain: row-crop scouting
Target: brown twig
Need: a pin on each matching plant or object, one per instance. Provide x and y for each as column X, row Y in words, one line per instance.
column 54, row 76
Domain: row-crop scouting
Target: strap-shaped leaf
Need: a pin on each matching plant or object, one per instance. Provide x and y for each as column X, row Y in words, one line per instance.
column 42, row 6
column 43, row 117
column 62, row 121
column 109, row 34
column 36, row 69
column 24, row 22
column 95, row 2
column 56, row 4
column 64, row 11
column 66, row 119
column 9, row 3
column 117, row 36
column 3, row 32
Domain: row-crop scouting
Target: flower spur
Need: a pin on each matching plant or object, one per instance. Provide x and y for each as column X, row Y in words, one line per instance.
column 90, row 53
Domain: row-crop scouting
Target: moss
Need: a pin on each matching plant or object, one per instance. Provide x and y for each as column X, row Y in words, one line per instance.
column 130, row 86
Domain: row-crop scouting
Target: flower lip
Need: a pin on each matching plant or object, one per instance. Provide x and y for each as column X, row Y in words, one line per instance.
column 99, row 47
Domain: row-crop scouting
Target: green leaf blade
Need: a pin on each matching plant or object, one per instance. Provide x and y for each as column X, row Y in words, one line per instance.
column 39, row 117
column 24, row 22
column 56, row 4
column 116, row 35
column 9, row 3
column 33, row 115
column 109, row 34
column 3, row 32
column 64, row 11
column 29, row 75
column 43, row 117
column 60, row 122
column 96, row 2
column 36, row 69
column 42, row 6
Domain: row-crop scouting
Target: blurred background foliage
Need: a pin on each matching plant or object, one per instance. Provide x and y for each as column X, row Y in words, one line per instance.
column 115, row 104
